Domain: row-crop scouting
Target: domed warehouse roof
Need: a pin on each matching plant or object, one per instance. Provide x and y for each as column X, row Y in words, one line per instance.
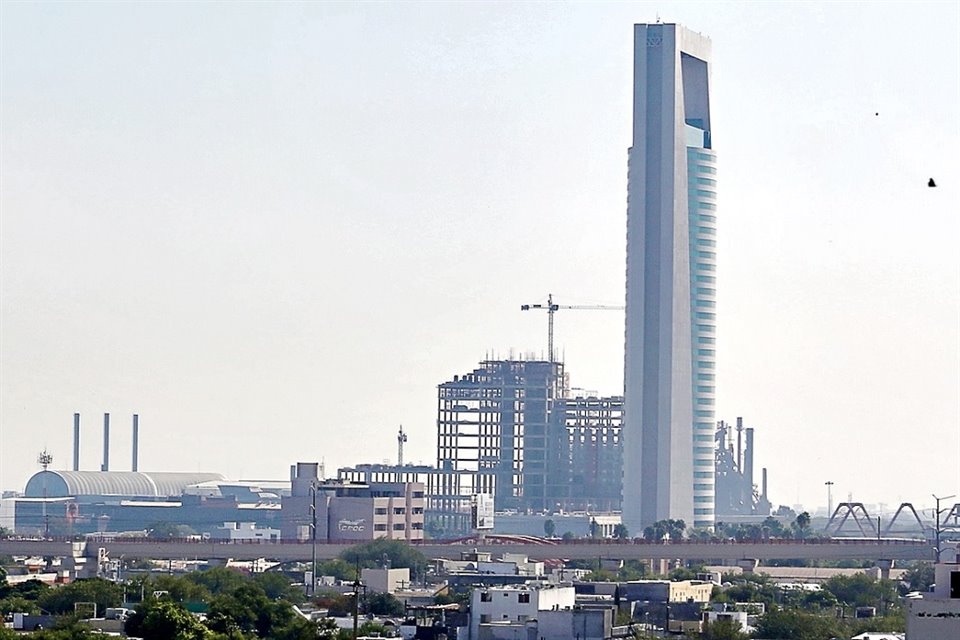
column 127, row 484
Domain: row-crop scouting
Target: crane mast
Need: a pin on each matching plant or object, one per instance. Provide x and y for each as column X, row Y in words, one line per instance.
column 552, row 308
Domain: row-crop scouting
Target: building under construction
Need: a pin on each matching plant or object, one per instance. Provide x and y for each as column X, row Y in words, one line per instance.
column 546, row 451
column 736, row 494
column 497, row 418
column 594, row 452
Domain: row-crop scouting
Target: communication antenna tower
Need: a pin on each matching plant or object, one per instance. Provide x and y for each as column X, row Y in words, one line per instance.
column 401, row 438
column 45, row 459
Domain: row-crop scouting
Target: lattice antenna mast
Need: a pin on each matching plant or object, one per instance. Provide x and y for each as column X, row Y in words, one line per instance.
column 401, row 439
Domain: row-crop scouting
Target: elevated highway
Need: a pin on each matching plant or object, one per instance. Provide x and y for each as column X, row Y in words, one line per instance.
column 836, row 549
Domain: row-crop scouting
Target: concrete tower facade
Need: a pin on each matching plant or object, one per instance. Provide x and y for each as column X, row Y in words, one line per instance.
column 669, row 377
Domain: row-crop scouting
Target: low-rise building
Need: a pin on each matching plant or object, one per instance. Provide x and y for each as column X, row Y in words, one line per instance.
column 516, row 604
column 937, row 614
column 347, row 511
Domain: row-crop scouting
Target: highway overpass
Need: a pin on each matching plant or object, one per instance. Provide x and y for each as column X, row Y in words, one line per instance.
column 836, row 549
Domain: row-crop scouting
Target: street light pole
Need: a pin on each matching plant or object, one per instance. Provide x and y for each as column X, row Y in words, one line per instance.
column 829, row 484
column 936, row 531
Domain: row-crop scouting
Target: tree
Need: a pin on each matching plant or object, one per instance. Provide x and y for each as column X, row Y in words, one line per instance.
column 549, row 528
column 384, row 604
column 398, row 553
column 327, row 629
column 860, row 590
column 62, row 599
column 164, row 620
column 723, row 630
column 218, row 579
column 568, row 536
column 920, row 577
column 793, row 624
column 801, row 526
column 278, row 587
column 662, row 529
column 620, row 532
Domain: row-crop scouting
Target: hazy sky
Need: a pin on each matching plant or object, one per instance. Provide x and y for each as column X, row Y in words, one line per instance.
column 272, row 229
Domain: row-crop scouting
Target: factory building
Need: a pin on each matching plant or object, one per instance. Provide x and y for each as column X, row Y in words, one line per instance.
column 736, row 494
column 79, row 502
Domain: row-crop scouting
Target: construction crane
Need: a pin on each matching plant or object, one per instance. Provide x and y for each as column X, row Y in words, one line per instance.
column 552, row 308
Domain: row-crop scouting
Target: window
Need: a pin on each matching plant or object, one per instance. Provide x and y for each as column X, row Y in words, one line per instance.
column 706, row 194
column 706, row 352
column 702, row 168
column 703, row 315
column 379, row 527
column 709, row 231
column 703, row 463
column 706, row 291
column 702, row 499
column 706, row 328
column 707, row 181
column 484, row 617
column 703, row 512
column 398, row 527
column 707, row 279
column 705, row 217
column 706, row 267
column 523, row 597
column 706, row 303
column 709, row 377
column 706, row 340
column 380, row 511
column 706, row 401
column 485, row 596
column 705, row 156
column 705, row 365
column 703, row 487
column 706, row 242
column 703, row 474
column 709, row 255
column 417, row 526
column 709, row 206
column 703, row 388
column 702, row 438
column 399, row 511
column 703, row 449
column 700, row 413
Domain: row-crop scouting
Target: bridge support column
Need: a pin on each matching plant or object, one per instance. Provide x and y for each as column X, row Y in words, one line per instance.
column 748, row 565
column 885, row 566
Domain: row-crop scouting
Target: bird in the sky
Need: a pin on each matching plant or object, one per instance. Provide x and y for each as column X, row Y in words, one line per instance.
column 932, row 183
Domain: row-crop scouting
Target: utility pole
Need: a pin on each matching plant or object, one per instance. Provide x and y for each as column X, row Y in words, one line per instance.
column 313, row 537
column 936, row 531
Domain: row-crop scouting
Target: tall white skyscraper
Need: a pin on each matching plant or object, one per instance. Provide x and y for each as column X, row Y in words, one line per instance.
column 669, row 376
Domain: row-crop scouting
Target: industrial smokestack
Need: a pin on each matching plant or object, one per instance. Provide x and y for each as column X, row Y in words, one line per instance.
column 748, row 460
column 106, row 443
column 763, row 490
column 740, row 445
column 76, row 442
column 136, row 441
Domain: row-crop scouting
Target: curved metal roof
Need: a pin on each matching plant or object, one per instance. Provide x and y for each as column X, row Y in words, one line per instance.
column 58, row 484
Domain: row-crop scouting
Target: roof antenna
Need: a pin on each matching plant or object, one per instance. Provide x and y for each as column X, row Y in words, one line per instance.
column 658, row 18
